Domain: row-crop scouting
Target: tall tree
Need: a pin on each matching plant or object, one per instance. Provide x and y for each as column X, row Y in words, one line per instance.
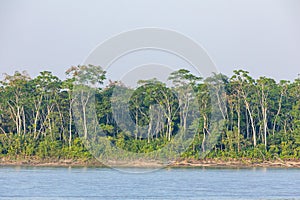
column 15, row 86
column 265, row 88
column 86, row 78
column 246, row 87
column 184, row 85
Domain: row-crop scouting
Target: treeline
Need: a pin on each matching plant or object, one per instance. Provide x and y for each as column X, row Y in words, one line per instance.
column 256, row 119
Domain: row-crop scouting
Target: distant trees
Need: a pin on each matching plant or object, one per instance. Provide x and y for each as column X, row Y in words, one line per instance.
column 85, row 77
column 261, row 118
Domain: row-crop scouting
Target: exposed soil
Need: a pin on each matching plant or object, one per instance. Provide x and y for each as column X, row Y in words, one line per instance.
column 217, row 163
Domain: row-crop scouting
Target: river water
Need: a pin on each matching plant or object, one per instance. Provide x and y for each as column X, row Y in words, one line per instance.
column 169, row 183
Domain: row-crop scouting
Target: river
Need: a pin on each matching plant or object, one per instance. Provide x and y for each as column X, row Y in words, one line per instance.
column 169, row 183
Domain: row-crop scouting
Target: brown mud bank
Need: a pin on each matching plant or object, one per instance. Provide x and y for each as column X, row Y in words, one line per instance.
column 215, row 163
column 238, row 163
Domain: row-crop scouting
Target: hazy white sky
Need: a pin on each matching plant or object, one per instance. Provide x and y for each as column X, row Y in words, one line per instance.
column 261, row 36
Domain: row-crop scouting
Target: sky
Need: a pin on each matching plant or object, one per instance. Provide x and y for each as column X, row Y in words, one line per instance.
column 260, row 36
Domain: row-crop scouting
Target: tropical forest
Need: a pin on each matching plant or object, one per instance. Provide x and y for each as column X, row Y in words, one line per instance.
column 255, row 119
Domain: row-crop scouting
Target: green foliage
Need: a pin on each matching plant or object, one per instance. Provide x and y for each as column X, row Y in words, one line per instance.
column 260, row 118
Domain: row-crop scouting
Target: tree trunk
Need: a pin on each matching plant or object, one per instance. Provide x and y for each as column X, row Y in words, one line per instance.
column 252, row 122
column 70, row 125
column 239, row 124
column 277, row 114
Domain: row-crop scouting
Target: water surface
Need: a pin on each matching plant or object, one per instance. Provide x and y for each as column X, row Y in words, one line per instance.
column 175, row 183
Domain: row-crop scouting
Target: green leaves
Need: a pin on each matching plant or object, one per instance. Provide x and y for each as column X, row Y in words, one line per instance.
column 87, row 74
column 259, row 118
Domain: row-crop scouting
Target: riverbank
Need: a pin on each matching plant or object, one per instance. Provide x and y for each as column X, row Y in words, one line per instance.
column 216, row 163
column 234, row 163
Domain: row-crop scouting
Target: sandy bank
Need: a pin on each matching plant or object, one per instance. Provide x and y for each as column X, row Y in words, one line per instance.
column 232, row 163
